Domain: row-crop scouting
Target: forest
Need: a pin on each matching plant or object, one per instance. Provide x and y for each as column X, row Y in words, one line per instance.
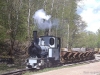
column 17, row 25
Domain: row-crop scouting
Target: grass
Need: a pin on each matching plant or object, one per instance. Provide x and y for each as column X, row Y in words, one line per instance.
column 4, row 68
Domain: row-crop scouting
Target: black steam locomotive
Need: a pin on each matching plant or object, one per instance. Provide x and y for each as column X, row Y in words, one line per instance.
column 44, row 51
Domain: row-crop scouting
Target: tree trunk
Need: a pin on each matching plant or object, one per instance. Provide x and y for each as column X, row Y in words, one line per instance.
column 28, row 20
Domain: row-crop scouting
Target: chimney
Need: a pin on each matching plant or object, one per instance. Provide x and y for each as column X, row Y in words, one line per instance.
column 35, row 35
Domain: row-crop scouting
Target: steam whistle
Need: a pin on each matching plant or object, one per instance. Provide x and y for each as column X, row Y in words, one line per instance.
column 46, row 33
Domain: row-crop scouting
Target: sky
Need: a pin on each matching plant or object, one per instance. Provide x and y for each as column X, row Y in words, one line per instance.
column 89, row 10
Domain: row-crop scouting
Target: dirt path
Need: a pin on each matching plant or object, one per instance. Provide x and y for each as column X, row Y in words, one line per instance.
column 87, row 69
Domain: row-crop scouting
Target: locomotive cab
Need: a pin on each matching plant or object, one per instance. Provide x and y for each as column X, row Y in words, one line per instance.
column 53, row 45
column 44, row 52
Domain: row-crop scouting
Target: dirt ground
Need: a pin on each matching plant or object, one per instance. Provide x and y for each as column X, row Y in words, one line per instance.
column 87, row 69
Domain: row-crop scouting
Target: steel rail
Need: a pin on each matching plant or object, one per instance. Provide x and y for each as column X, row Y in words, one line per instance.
column 17, row 72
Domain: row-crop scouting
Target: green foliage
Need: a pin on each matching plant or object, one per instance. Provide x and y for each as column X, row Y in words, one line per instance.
column 98, row 38
column 14, row 25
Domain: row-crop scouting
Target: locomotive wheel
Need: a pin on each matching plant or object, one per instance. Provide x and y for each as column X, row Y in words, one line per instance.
column 49, row 64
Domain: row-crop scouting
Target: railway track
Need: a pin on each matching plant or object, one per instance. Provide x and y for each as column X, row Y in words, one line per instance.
column 17, row 72
column 83, row 62
column 21, row 71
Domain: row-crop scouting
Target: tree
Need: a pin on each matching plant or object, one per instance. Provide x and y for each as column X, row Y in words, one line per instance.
column 98, row 38
column 12, row 22
column 17, row 22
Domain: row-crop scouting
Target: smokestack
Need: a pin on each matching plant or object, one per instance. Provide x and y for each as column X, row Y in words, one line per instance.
column 35, row 36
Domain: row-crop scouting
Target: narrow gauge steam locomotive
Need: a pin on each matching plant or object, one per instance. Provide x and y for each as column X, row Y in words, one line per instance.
column 45, row 52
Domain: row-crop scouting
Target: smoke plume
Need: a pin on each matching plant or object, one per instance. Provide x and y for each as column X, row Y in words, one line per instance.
column 43, row 21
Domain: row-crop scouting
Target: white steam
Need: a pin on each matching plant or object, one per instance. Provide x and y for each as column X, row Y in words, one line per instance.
column 42, row 20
